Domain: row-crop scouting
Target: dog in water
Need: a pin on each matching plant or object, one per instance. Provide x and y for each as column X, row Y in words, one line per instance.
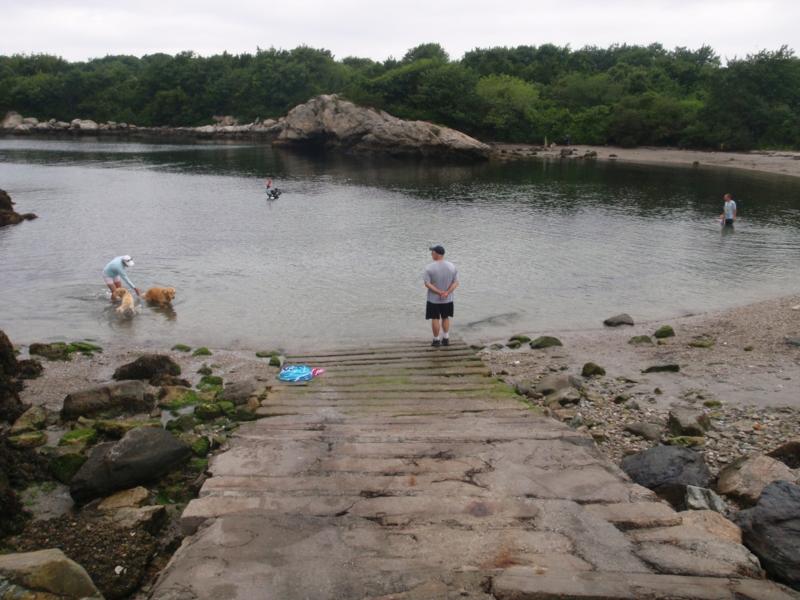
column 160, row 296
column 123, row 296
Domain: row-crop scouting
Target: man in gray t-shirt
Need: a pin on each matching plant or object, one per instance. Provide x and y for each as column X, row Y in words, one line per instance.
column 441, row 279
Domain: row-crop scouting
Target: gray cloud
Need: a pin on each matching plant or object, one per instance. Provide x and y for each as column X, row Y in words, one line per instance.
column 90, row 28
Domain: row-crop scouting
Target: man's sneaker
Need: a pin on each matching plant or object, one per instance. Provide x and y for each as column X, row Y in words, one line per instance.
column 446, row 342
column 436, row 343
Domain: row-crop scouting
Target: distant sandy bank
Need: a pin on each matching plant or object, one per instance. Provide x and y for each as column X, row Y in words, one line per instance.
column 778, row 162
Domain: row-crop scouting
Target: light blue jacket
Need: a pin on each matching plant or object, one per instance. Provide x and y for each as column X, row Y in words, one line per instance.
column 115, row 268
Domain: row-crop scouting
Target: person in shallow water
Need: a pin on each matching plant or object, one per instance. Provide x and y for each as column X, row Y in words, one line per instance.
column 441, row 279
column 114, row 273
column 728, row 215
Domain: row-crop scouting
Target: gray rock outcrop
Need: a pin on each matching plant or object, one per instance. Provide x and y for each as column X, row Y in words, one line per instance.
column 148, row 366
column 142, row 455
column 125, row 396
column 667, row 470
column 771, row 530
column 330, row 121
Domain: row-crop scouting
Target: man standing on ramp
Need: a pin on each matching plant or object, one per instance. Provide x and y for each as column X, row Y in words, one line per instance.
column 441, row 279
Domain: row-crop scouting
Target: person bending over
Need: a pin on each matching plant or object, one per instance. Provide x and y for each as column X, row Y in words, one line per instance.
column 114, row 273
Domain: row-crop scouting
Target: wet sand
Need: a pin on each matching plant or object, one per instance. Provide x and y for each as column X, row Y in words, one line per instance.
column 778, row 162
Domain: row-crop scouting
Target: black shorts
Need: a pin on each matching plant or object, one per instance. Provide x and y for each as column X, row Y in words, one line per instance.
column 438, row 311
column 729, row 222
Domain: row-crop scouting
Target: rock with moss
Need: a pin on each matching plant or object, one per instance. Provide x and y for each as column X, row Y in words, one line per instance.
column 183, row 423
column 210, row 383
column 112, row 398
column 81, row 437
column 179, row 401
column 86, row 348
column 29, row 368
column 641, row 340
column 702, row 342
column 182, row 348
column 200, row 446
column 668, row 368
column 545, row 341
column 117, row 428
column 208, row 411
column 686, row 441
column 522, row 339
column 514, row 344
column 202, row 351
column 65, row 462
column 276, row 360
column 53, row 351
column 148, row 366
column 33, row 419
column 591, row 369
column 267, row 353
column 665, row 331
column 30, row 439
column 204, row 370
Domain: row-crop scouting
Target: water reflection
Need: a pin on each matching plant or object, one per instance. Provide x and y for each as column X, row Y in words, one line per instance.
column 539, row 245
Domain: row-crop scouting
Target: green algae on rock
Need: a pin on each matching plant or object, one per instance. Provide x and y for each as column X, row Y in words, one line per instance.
column 545, row 341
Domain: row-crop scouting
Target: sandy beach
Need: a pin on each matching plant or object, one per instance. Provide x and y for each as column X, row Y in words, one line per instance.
column 776, row 162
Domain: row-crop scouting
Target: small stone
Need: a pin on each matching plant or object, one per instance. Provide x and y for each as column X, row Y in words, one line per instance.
column 545, row 341
column 133, row 497
column 648, row 431
column 639, row 340
column 669, row 368
column 685, row 422
column 617, row 320
column 591, row 369
column 698, row 498
column 664, row 331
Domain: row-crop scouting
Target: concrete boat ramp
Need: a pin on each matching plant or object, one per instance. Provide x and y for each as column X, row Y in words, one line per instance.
column 407, row 472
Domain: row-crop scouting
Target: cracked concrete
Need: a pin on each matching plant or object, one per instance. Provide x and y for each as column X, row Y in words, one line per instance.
column 376, row 482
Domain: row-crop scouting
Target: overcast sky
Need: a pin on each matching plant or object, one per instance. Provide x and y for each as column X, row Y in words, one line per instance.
column 81, row 29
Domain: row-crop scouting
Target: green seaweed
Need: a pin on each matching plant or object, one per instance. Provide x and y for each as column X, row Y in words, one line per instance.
column 182, row 348
column 202, row 351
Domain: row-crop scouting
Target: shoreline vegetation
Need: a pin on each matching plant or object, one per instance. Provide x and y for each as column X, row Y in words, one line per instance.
column 775, row 162
column 620, row 95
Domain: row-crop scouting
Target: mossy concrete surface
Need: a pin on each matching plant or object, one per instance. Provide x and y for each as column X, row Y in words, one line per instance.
column 435, row 486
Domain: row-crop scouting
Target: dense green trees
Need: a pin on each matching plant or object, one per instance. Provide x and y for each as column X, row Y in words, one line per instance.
column 628, row 95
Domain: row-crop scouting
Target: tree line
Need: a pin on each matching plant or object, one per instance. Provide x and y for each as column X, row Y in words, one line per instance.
column 622, row 95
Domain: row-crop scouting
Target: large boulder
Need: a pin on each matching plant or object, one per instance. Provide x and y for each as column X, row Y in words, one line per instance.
column 148, row 366
column 667, row 470
column 745, row 478
column 10, row 405
column 142, row 455
column 330, row 121
column 788, row 453
column 11, row 120
column 240, row 392
column 45, row 574
column 124, row 396
column 8, row 216
column 771, row 529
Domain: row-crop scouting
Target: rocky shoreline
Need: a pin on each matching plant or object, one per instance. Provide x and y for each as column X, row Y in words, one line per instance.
column 708, row 404
column 98, row 458
column 8, row 216
column 327, row 122
column 718, row 416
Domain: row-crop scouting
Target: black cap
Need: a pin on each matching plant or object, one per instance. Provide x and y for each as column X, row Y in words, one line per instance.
column 438, row 248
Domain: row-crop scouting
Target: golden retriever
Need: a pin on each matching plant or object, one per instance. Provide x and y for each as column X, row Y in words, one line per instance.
column 160, row 296
column 126, row 307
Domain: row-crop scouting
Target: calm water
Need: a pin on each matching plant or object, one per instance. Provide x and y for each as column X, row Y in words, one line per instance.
column 338, row 258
